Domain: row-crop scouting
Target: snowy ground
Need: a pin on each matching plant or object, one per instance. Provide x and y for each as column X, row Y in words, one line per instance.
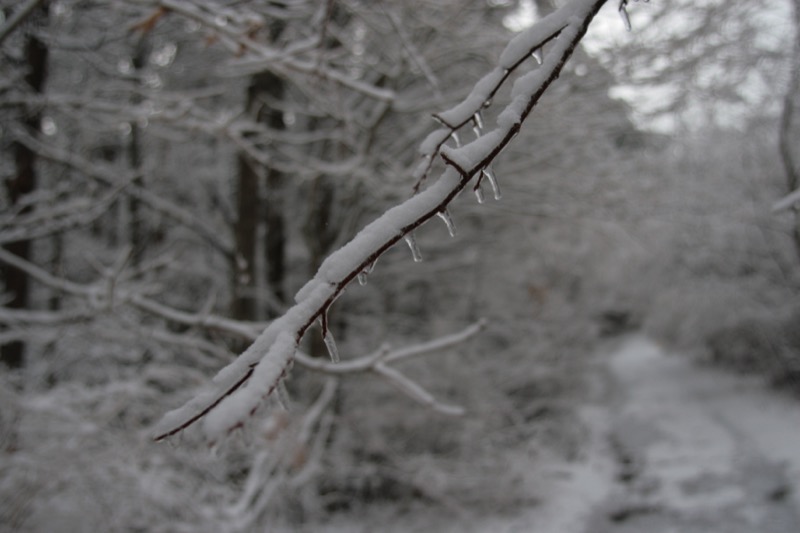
column 670, row 446
column 696, row 449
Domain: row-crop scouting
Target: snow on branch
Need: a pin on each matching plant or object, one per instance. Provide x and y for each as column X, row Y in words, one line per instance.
column 238, row 390
column 236, row 29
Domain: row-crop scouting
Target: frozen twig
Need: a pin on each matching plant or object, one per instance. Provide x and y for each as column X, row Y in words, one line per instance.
column 237, row 390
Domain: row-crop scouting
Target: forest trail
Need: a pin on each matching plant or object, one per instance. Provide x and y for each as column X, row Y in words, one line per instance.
column 669, row 446
column 694, row 448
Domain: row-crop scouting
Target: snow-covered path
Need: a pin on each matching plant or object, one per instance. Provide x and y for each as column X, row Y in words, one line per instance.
column 669, row 446
column 696, row 449
column 672, row 447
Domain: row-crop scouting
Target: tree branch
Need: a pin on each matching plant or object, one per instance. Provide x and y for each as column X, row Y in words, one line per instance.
column 237, row 390
column 17, row 18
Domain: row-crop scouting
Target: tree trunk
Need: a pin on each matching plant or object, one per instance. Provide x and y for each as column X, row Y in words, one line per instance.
column 245, row 231
column 250, row 212
column 787, row 136
column 136, row 234
column 22, row 183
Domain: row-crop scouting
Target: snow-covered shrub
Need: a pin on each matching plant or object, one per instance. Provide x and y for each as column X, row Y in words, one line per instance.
column 767, row 344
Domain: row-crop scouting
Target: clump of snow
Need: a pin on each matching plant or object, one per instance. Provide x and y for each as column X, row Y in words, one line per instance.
column 532, row 38
column 481, row 92
column 473, row 153
column 434, row 139
column 266, row 375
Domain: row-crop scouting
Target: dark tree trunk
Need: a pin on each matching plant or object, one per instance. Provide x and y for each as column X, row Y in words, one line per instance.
column 136, row 235
column 16, row 281
column 250, row 210
column 245, row 231
column 275, row 246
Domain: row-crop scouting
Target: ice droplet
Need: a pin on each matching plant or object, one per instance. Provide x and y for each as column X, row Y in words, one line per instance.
column 362, row 278
column 448, row 221
column 479, row 193
column 537, row 55
column 330, row 344
column 493, row 183
column 487, row 103
column 623, row 13
column 454, row 135
column 412, row 244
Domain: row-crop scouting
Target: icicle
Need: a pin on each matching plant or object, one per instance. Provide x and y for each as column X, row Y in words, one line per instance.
column 448, row 221
column 479, row 193
column 327, row 337
column 364, row 274
column 492, row 182
column 537, row 55
column 623, row 12
column 454, row 135
column 283, row 395
column 412, row 243
column 478, row 120
column 477, row 124
column 330, row 344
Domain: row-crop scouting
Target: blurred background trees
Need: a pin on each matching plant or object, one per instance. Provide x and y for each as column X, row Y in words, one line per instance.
column 174, row 171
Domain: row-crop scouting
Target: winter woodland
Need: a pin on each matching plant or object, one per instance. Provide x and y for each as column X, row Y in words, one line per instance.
column 358, row 265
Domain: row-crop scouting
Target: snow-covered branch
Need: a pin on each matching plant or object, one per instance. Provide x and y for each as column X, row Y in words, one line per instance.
column 237, row 390
column 236, row 29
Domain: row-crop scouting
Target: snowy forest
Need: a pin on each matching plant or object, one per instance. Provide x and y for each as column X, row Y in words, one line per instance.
column 410, row 265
